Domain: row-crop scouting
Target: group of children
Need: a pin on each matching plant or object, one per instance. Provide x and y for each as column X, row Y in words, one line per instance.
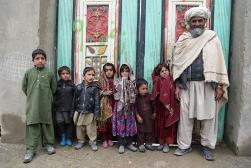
column 110, row 107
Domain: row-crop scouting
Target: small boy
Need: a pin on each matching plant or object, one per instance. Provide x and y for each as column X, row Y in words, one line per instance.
column 63, row 106
column 38, row 85
column 87, row 109
column 145, row 116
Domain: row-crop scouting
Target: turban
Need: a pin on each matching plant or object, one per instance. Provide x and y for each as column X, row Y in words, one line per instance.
column 196, row 11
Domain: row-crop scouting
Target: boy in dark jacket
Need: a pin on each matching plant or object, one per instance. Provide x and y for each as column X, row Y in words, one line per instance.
column 63, row 105
column 87, row 109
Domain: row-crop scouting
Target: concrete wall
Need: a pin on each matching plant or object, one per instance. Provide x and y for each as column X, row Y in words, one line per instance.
column 30, row 24
column 24, row 26
column 238, row 124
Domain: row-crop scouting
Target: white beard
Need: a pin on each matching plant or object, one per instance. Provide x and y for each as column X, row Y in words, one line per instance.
column 196, row 32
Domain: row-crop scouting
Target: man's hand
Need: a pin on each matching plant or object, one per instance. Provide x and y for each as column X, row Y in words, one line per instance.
column 139, row 119
column 177, row 93
column 218, row 93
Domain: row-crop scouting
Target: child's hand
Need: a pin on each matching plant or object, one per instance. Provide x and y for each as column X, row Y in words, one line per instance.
column 139, row 119
column 177, row 93
column 168, row 107
column 75, row 117
column 153, row 116
column 171, row 112
column 109, row 92
column 96, row 118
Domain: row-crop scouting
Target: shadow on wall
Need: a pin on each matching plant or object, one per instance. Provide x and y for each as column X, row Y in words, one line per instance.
column 12, row 129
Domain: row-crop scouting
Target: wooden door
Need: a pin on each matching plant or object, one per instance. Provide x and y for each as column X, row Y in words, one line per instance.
column 95, row 35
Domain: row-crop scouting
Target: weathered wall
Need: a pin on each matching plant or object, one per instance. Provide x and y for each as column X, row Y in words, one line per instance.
column 238, row 132
column 24, row 26
column 29, row 24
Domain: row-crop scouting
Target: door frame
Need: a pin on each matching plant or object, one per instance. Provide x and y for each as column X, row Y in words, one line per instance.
column 80, row 33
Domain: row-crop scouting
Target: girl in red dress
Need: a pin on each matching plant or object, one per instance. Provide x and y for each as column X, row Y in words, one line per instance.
column 165, row 106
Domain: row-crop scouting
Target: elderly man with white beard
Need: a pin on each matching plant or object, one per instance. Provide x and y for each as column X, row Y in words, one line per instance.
column 201, row 82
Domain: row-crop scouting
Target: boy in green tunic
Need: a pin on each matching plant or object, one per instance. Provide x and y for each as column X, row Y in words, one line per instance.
column 38, row 85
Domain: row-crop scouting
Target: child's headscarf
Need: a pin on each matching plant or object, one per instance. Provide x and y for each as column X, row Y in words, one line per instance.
column 125, row 92
column 105, row 106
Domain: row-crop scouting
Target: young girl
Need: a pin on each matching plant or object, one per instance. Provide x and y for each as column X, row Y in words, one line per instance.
column 87, row 109
column 144, row 115
column 165, row 107
column 123, row 118
column 63, row 106
column 106, row 103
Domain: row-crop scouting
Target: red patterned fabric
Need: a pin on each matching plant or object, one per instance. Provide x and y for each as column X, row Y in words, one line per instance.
column 105, row 127
column 166, row 109
column 105, row 131
column 97, row 23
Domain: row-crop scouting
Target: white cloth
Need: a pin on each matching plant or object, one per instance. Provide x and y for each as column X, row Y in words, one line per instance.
column 187, row 49
column 85, row 125
column 198, row 102
column 208, row 131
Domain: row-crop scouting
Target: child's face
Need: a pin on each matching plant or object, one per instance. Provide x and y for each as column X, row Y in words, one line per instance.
column 109, row 73
column 164, row 72
column 125, row 73
column 143, row 89
column 39, row 61
column 65, row 75
column 89, row 76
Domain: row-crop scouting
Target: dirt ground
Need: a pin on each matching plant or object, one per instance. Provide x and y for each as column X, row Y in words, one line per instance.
column 11, row 156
